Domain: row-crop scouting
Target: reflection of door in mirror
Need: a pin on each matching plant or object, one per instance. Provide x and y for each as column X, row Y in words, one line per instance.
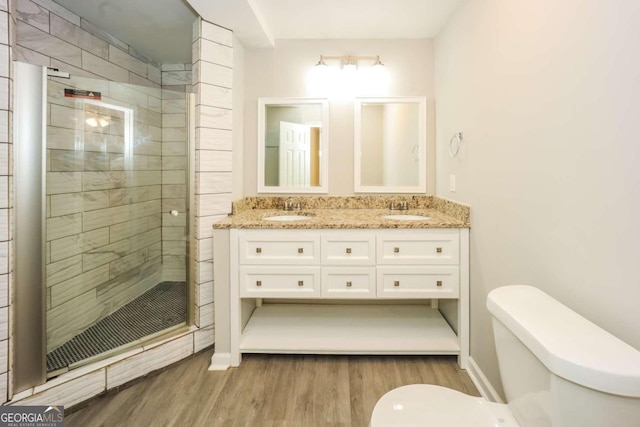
column 295, row 154
column 390, row 133
column 292, row 145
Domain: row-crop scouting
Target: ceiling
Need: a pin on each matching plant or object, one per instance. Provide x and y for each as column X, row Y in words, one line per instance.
column 161, row 29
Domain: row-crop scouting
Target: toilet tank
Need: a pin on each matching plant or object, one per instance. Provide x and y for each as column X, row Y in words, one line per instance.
column 558, row 369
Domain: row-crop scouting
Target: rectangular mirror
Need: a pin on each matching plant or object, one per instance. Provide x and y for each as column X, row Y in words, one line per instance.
column 390, row 145
column 293, row 145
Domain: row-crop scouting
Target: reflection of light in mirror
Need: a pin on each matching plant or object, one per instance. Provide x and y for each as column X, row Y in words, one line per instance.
column 348, row 82
column 91, row 121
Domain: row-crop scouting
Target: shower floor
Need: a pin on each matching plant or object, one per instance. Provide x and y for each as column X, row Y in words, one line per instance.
column 161, row 307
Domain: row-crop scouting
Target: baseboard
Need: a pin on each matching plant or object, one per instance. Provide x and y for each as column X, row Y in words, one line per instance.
column 220, row 361
column 482, row 382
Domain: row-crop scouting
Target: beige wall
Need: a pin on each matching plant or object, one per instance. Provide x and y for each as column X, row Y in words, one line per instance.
column 283, row 72
column 546, row 94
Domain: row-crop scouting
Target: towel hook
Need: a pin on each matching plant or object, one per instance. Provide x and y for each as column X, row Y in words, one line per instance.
column 457, row 137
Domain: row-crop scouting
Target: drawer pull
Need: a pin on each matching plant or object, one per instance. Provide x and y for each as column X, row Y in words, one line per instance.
column 348, row 284
column 258, row 250
column 439, row 250
column 439, row 283
column 396, row 283
column 396, row 250
column 300, row 250
column 258, row 282
column 300, row 282
column 348, row 250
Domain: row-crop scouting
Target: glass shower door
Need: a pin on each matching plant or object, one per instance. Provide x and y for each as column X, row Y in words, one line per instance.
column 116, row 217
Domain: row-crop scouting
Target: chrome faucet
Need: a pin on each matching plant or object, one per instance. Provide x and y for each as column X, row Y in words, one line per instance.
column 290, row 205
column 400, row 206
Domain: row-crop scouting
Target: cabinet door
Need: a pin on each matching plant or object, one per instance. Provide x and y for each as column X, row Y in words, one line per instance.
column 275, row 247
column 348, row 282
column 418, row 282
column 348, row 249
column 418, row 249
column 279, row 282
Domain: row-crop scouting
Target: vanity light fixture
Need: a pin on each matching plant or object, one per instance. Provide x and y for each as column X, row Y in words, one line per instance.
column 350, row 62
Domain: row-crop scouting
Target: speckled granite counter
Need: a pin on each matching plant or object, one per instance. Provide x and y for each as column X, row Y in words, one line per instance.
column 357, row 212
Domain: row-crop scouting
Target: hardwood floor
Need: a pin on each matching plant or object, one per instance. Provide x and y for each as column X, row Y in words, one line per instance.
column 269, row 391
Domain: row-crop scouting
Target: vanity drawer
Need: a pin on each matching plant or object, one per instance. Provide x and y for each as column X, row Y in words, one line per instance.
column 274, row 247
column 418, row 282
column 348, row 282
column 279, row 282
column 418, row 248
column 348, row 249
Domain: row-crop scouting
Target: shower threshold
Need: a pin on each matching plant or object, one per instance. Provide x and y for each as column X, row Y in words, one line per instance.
column 151, row 314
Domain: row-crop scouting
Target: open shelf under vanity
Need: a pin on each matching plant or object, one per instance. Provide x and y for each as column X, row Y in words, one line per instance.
column 348, row 329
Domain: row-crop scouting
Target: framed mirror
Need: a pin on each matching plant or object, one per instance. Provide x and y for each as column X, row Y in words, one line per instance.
column 390, row 145
column 293, row 145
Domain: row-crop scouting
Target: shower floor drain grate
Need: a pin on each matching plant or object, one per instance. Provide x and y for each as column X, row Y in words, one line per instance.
column 163, row 306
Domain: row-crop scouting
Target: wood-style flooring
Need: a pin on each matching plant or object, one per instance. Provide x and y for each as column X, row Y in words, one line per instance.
column 269, row 391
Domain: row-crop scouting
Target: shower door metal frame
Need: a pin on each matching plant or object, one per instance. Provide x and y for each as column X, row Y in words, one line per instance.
column 29, row 194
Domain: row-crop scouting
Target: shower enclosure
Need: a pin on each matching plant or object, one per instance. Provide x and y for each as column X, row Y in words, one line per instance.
column 114, row 217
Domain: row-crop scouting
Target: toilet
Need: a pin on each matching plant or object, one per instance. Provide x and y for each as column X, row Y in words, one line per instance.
column 558, row 370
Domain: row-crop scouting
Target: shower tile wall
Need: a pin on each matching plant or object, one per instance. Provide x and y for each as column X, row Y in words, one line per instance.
column 97, row 237
column 212, row 85
column 212, row 79
column 103, row 207
column 176, row 77
column 48, row 34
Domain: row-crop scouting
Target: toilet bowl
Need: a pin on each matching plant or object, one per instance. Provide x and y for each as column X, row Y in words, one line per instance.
column 420, row 405
column 558, row 370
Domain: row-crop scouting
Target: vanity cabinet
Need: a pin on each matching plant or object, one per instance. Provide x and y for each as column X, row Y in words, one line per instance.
column 365, row 291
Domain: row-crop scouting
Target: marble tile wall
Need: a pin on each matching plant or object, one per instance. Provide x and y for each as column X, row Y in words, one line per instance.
column 212, row 82
column 50, row 35
column 72, row 44
column 175, row 175
column 104, row 203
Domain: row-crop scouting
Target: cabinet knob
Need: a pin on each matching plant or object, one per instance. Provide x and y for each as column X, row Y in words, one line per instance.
column 258, row 282
column 348, row 250
column 258, row 250
column 300, row 250
column 396, row 283
column 300, row 283
column 439, row 283
column 396, row 250
column 439, row 250
column 348, row 284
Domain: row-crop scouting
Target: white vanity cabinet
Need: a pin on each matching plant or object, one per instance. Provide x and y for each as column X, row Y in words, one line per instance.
column 360, row 291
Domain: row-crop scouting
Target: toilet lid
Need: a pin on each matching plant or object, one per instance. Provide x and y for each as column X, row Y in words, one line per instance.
column 423, row 405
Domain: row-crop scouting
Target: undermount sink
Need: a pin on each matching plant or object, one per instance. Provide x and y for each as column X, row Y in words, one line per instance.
column 286, row 218
column 406, row 217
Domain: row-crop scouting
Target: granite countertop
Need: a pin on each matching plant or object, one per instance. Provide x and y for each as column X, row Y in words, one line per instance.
column 362, row 218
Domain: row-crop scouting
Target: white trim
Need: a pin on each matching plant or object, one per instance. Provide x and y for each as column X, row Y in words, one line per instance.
column 323, row 188
column 482, row 382
column 220, row 361
column 422, row 140
column 235, row 304
column 463, row 300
